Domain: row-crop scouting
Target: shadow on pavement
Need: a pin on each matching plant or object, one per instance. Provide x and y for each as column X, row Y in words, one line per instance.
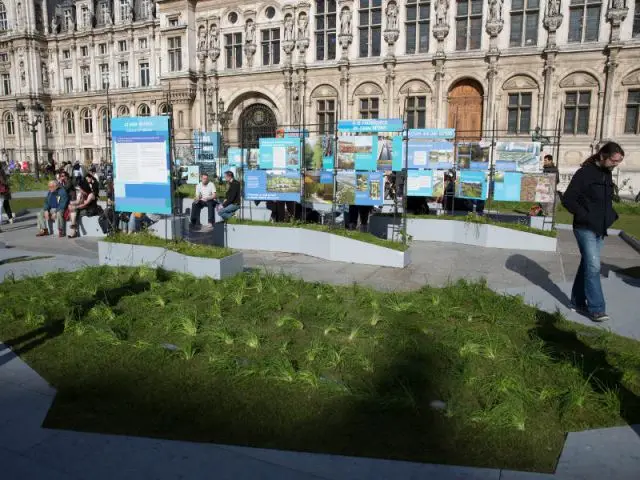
column 537, row 275
column 566, row 346
column 24, row 343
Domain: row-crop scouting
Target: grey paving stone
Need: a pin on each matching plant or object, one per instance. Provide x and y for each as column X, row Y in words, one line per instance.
column 353, row 468
column 17, row 467
column 608, row 453
column 513, row 475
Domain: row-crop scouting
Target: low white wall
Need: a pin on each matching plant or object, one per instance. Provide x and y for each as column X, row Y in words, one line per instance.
column 309, row 242
column 467, row 233
column 125, row 255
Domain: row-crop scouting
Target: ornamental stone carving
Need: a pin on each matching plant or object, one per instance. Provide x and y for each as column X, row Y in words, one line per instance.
column 495, row 23
column 202, row 38
column 249, row 42
column 441, row 27
column 391, row 33
column 346, row 37
column 553, row 17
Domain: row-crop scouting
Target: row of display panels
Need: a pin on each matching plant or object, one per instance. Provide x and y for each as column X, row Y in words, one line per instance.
column 385, row 153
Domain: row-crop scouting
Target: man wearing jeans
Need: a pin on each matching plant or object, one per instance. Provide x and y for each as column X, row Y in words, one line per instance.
column 589, row 197
column 232, row 201
column 205, row 197
column 54, row 206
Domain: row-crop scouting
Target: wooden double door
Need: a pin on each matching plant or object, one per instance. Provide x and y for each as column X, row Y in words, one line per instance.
column 466, row 110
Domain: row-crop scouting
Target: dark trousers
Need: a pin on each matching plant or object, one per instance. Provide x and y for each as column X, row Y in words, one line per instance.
column 6, row 207
column 361, row 211
column 198, row 205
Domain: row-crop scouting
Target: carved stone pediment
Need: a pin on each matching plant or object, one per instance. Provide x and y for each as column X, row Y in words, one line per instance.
column 520, row 82
column 415, row 87
column 324, row 91
column 368, row 88
column 578, row 79
column 632, row 79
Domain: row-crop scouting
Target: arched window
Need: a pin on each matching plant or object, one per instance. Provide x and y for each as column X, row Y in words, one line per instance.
column 87, row 121
column 123, row 111
column 163, row 109
column 69, row 123
column 3, row 17
column 143, row 110
column 104, row 120
column 11, row 126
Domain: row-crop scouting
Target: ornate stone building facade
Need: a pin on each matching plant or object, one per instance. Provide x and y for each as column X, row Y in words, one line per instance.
column 486, row 67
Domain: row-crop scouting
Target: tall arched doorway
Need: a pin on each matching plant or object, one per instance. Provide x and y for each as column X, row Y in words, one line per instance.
column 256, row 121
column 465, row 109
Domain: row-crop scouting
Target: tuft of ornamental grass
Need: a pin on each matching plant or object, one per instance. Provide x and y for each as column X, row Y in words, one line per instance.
column 456, row 375
column 179, row 246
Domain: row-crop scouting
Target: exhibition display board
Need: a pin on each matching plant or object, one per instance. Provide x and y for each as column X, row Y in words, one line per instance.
column 141, row 158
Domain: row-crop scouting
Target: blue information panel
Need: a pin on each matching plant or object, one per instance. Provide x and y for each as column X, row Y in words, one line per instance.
column 235, row 156
column 429, row 154
column 279, row 153
column 359, row 188
column 420, row 183
column 507, row 186
column 472, row 184
column 142, row 164
column 272, row 185
column 206, row 146
column 370, row 125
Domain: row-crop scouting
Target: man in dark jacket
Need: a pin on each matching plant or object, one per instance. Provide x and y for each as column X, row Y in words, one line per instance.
column 589, row 197
column 232, row 200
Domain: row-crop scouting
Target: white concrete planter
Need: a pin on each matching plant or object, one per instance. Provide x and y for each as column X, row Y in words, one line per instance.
column 477, row 234
column 309, row 242
column 125, row 255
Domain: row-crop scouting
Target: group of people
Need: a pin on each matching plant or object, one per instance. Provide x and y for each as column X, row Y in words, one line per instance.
column 67, row 200
column 206, row 197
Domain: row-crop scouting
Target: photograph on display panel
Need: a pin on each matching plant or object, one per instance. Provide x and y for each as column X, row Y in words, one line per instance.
column 518, row 156
column 346, row 187
column 537, row 188
column 318, row 187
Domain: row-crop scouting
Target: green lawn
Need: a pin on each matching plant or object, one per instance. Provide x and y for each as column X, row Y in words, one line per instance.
column 183, row 247
column 629, row 214
column 27, row 182
column 457, row 375
column 18, row 204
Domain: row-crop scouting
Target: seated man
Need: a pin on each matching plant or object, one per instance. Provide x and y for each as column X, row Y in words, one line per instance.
column 54, row 206
column 205, row 196
column 232, row 201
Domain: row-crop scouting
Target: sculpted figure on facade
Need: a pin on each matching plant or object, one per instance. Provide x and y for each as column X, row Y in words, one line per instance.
column 553, row 8
column 288, row 28
column 303, row 26
column 495, row 11
column 23, row 74
column 620, row 4
column 54, row 24
column 45, row 74
column 250, row 32
column 442, row 8
column 214, row 39
column 392, row 16
column 202, row 38
column 345, row 21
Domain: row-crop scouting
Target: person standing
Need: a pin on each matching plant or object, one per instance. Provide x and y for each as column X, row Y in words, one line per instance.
column 548, row 167
column 232, row 200
column 5, row 196
column 205, row 197
column 589, row 197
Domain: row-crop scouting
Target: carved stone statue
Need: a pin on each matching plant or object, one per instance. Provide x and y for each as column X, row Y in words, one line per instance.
column 130, row 12
column 617, row 4
column 19, row 15
column 288, row 28
column 442, row 7
column 553, row 8
column 54, row 24
column 345, row 21
column 202, row 38
column 295, row 104
column 303, row 25
column 495, row 11
column 250, row 32
column 45, row 75
column 214, row 39
column 392, row 16
column 23, row 75
column 150, row 9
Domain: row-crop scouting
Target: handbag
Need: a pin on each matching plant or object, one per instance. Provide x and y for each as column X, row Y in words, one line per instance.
column 66, row 214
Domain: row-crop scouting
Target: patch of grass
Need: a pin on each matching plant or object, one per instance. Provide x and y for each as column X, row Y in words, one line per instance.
column 180, row 246
column 19, row 204
column 353, row 234
column 26, row 182
column 456, row 375
column 483, row 220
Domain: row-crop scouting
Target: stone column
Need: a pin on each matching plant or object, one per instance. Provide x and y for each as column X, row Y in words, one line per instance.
column 547, row 119
column 494, row 26
column 440, row 32
column 616, row 15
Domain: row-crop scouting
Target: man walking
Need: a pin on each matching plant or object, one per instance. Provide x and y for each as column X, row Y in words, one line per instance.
column 589, row 197
column 205, row 197
column 232, row 201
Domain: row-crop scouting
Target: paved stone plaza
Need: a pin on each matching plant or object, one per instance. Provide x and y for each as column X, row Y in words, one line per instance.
column 28, row 451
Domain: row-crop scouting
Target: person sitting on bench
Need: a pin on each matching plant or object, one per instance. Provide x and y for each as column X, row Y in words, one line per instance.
column 205, row 196
column 232, row 201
